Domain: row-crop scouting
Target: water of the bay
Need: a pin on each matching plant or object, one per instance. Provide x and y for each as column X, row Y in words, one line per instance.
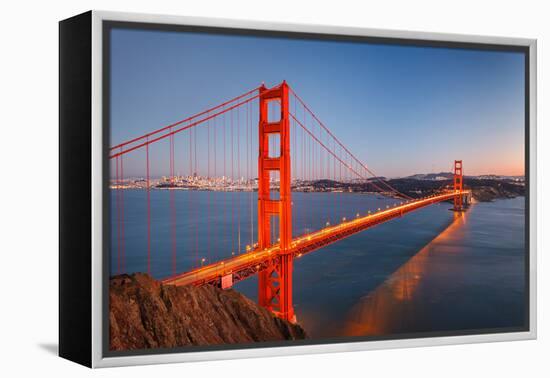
column 432, row 270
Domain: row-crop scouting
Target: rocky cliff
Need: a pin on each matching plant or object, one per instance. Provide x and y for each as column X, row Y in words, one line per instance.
column 143, row 313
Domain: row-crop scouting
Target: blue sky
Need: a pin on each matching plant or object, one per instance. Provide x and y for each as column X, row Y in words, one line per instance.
column 401, row 109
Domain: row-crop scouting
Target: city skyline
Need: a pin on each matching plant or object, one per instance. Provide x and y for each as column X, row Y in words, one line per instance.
column 397, row 97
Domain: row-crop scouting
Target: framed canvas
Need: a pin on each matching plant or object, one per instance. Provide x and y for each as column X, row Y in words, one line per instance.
column 232, row 189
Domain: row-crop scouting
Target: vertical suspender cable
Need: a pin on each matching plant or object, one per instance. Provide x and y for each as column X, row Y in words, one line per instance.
column 123, row 241
column 209, row 190
column 224, row 179
column 232, row 186
column 239, row 181
column 117, row 197
column 148, row 184
column 172, row 202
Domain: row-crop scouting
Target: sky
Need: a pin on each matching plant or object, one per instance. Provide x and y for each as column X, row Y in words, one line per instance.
column 401, row 109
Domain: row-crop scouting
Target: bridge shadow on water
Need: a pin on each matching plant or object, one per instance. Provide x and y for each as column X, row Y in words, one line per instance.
column 391, row 307
column 469, row 277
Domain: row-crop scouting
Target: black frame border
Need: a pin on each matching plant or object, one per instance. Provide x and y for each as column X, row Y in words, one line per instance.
column 75, row 193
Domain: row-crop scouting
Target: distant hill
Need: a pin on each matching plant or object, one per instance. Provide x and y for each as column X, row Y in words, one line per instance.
column 449, row 175
column 431, row 176
column 482, row 189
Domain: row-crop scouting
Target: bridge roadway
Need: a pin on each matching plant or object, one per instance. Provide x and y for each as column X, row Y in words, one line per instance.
column 242, row 266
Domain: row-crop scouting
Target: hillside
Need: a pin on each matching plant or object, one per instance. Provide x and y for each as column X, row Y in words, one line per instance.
column 143, row 313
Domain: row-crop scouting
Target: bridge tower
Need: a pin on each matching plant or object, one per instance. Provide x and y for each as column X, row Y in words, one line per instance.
column 275, row 282
column 458, row 205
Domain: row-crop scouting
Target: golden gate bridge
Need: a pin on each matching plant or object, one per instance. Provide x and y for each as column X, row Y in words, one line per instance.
column 293, row 148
